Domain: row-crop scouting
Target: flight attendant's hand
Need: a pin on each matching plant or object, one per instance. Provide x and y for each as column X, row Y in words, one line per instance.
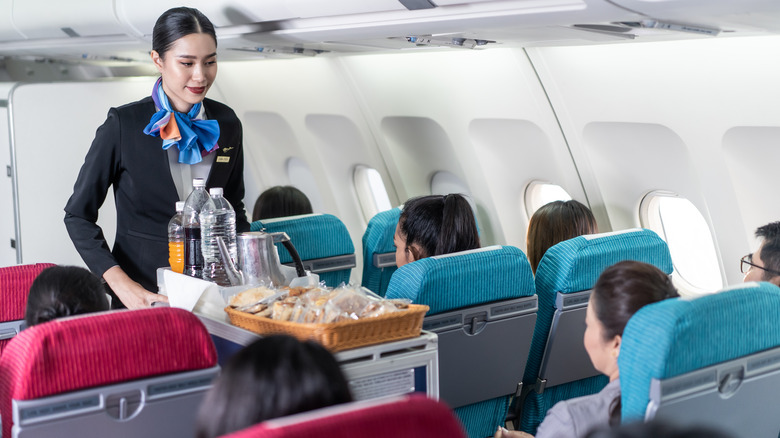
column 132, row 294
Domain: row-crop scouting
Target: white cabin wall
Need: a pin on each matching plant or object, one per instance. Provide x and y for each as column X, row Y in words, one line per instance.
column 699, row 118
column 304, row 109
column 7, row 220
column 480, row 115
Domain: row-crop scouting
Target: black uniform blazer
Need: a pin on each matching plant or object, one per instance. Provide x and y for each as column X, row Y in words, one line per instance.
column 144, row 192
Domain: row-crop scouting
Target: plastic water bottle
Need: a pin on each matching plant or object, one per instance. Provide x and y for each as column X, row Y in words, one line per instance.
column 176, row 239
column 193, row 257
column 217, row 219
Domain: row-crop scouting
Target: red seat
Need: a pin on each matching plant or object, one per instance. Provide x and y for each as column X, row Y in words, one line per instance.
column 99, row 350
column 412, row 416
column 15, row 282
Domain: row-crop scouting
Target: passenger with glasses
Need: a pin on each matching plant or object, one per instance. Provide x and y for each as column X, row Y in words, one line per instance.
column 764, row 264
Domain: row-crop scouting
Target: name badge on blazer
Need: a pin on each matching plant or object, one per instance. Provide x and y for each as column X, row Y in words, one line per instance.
column 223, row 159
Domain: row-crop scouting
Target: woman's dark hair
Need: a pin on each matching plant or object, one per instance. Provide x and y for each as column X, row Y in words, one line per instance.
column 620, row 291
column 555, row 222
column 176, row 23
column 435, row 225
column 281, row 201
column 64, row 291
column 273, row 377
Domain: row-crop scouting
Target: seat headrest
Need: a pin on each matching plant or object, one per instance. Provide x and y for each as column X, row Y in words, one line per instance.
column 413, row 416
column 676, row 336
column 103, row 348
column 15, row 282
column 464, row 279
column 314, row 236
column 378, row 237
column 574, row 265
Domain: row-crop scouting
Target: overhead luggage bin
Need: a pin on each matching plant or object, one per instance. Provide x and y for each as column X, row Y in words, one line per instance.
column 726, row 15
column 43, row 19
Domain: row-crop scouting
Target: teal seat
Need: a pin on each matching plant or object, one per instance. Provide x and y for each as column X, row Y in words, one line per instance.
column 714, row 360
column 379, row 250
column 558, row 365
column 483, row 308
column 322, row 242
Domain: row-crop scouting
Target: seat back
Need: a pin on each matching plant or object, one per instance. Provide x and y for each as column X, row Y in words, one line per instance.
column 713, row 360
column 379, row 250
column 481, row 302
column 413, row 416
column 15, row 282
column 120, row 374
column 322, row 242
column 558, row 365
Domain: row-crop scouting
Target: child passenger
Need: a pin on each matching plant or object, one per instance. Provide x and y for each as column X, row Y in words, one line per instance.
column 273, row 377
column 554, row 223
column 61, row 291
column 621, row 290
column 434, row 225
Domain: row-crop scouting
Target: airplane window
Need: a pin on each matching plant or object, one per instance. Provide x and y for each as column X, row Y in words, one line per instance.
column 300, row 176
column 538, row 193
column 690, row 242
column 371, row 191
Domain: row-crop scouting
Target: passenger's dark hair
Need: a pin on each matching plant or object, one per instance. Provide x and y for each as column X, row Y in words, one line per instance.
column 555, row 222
column 60, row 291
column 273, row 377
column 281, row 201
column 435, row 225
column 176, row 23
column 655, row 428
column 620, row 291
column 770, row 249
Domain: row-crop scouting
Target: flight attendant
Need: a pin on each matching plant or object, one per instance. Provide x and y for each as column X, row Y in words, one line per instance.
column 150, row 151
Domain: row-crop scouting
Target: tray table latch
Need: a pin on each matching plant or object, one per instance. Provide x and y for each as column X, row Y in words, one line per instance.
column 474, row 323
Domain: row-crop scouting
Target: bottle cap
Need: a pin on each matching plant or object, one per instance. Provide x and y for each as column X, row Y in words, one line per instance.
column 214, row 191
column 179, row 206
column 198, row 182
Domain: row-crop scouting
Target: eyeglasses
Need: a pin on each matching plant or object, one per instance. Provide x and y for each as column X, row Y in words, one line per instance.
column 746, row 262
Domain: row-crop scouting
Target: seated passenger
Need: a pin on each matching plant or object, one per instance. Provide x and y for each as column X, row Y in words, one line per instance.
column 555, row 222
column 434, row 225
column 764, row 264
column 273, row 377
column 620, row 291
column 281, row 201
column 61, row 291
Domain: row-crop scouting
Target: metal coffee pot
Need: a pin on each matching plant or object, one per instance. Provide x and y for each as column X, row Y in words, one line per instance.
column 258, row 261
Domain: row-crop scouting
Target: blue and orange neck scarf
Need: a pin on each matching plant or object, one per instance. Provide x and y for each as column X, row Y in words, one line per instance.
column 193, row 137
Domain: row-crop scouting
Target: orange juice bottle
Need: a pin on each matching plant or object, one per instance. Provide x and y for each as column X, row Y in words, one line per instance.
column 176, row 239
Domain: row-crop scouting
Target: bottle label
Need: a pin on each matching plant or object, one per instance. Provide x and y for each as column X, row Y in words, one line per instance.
column 193, row 257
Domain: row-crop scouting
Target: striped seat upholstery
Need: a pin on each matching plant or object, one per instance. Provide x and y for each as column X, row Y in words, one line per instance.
column 315, row 236
column 570, row 267
column 15, row 282
column 413, row 416
column 378, row 240
column 679, row 336
column 100, row 349
column 464, row 279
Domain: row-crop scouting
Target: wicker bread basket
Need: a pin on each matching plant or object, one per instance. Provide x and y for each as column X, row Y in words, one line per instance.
column 337, row 336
